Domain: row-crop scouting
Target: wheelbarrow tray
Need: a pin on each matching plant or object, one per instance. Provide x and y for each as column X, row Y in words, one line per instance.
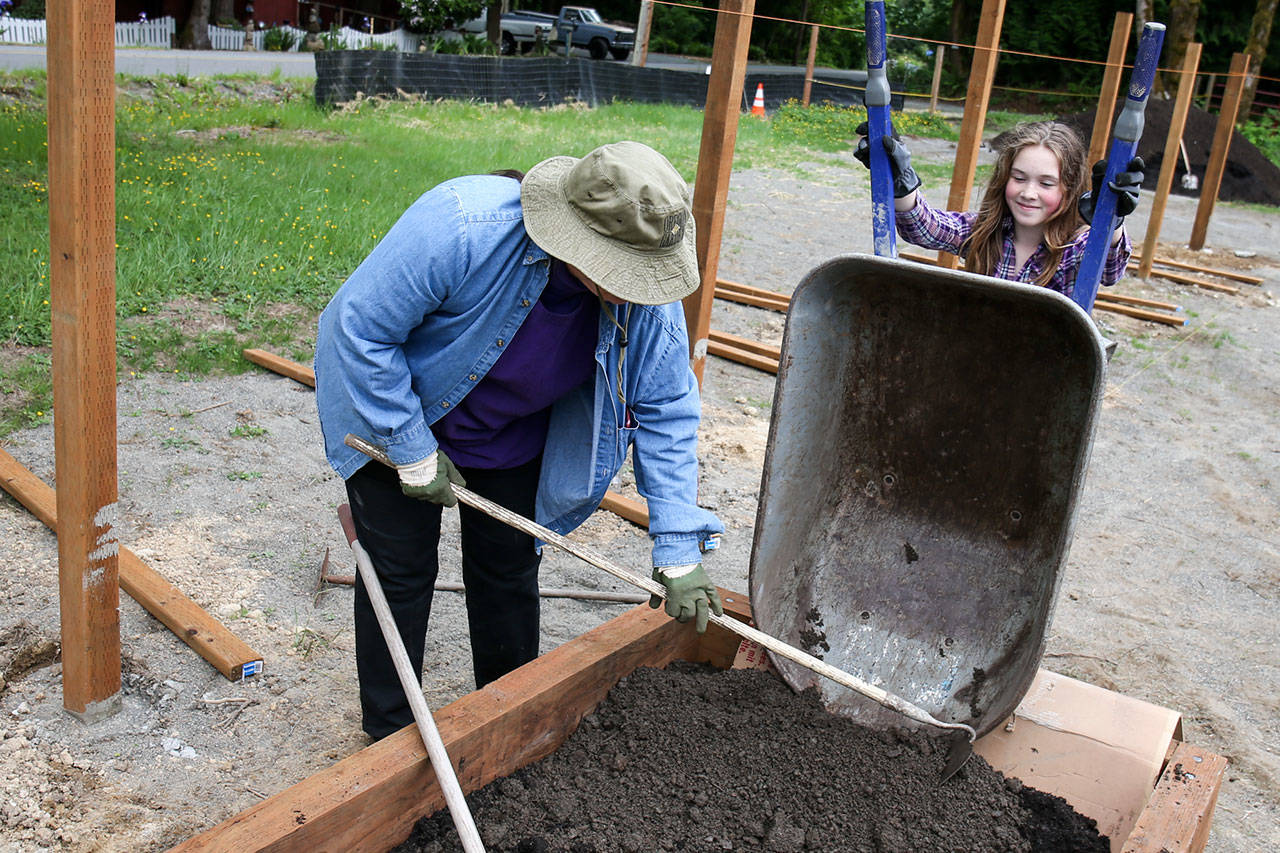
column 930, row 434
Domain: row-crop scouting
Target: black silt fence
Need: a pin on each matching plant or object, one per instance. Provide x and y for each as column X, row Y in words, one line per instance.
column 343, row 75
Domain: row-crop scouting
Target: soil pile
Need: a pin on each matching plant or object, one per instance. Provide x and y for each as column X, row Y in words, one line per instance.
column 1248, row 176
column 692, row 758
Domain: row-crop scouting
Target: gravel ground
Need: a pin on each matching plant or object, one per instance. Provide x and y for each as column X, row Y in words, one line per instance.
column 1169, row 594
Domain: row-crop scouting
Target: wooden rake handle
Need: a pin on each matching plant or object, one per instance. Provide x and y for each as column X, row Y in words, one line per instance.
column 440, row 762
column 791, row 653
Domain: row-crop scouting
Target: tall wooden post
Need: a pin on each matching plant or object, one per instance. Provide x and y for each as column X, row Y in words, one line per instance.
column 82, row 271
column 1221, row 145
column 1169, row 164
column 939, row 52
column 643, row 28
column 1110, row 87
column 715, row 163
column 808, row 68
column 981, row 74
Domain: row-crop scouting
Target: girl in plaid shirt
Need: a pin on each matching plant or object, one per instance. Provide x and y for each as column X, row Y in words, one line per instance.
column 1028, row 227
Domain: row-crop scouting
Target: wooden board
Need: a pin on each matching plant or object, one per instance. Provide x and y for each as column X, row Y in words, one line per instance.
column 370, row 800
column 82, row 299
column 1177, row 816
column 715, row 164
column 230, row 655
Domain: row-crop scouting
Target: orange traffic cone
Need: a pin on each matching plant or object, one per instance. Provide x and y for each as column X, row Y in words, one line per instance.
column 757, row 108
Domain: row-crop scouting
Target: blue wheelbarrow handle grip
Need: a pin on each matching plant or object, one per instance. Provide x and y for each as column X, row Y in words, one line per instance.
column 1124, row 145
column 879, row 124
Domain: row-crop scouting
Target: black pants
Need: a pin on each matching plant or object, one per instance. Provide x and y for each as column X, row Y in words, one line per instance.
column 499, row 570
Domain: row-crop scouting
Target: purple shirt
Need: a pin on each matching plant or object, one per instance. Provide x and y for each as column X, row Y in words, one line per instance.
column 502, row 423
column 948, row 229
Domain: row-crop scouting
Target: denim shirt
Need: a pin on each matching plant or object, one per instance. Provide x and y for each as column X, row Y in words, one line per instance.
column 426, row 315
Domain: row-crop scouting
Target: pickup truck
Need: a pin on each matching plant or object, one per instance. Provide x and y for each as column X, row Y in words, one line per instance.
column 517, row 31
column 582, row 26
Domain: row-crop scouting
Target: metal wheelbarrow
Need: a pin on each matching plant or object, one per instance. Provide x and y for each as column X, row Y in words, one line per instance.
column 930, row 434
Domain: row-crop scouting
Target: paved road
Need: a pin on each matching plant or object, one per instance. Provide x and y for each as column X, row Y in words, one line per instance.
column 203, row 63
column 196, row 63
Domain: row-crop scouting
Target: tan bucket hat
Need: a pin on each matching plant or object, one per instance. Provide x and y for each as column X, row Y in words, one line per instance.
column 620, row 215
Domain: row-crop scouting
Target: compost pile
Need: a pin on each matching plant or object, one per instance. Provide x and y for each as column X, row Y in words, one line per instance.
column 1249, row 176
column 693, row 758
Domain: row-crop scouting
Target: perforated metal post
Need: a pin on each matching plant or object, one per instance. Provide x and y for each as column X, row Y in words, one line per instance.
column 81, row 58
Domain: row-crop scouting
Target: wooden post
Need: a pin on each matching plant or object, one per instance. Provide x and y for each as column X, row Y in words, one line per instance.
column 808, row 68
column 1110, row 87
column 715, row 162
column 1209, row 85
column 643, row 27
column 981, row 74
column 1177, row 121
column 1221, row 145
column 937, row 77
column 82, row 258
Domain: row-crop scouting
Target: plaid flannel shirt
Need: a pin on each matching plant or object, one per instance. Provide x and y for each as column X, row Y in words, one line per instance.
column 947, row 230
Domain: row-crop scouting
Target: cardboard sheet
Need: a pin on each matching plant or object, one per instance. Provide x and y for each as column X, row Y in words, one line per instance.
column 1100, row 751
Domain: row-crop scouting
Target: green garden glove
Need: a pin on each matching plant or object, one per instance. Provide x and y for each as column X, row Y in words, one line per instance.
column 429, row 479
column 689, row 592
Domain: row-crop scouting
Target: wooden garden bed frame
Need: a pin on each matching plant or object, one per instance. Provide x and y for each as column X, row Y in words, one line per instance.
column 370, row 800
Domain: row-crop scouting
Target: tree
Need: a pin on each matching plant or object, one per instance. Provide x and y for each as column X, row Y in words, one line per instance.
column 1182, row 31
column 431, row 16
column 225, row 10
column 1259, row 36
column 194, row 34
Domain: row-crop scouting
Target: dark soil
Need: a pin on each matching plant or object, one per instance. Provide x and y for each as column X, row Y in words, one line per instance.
column 692, row 758
column 1248, row 176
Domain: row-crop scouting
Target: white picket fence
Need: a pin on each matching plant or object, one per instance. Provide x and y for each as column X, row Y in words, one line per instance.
column 160, row 33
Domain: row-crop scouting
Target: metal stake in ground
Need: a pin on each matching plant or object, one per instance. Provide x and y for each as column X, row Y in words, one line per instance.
column 1124, row 145
column 879, row 123
column 413, row 692
column 963, row 736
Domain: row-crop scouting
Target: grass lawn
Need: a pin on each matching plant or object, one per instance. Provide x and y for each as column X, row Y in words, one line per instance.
column 241, row 206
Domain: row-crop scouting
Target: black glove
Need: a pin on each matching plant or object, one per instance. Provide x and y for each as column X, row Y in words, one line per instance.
column 905, row 179
column 1125, row 185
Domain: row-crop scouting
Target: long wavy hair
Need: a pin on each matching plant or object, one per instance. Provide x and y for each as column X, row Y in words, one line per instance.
column 982, row 250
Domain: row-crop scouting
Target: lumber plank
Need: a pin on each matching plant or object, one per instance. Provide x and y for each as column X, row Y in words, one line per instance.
column 750, row 359
column 1141, row 313
column 230, row 655
column 715, row 164
column 1138, row 301
column 1244, row 278
column 82, row 300
column 370, row 800
column 1177, row 817
column 982, row 72
column 631, row 510
column 753, row 301
column 1218, row 152
column 283, row 366
column 1186, row 279
column 1170, row 161
column 769, row 350
column 1110, row 87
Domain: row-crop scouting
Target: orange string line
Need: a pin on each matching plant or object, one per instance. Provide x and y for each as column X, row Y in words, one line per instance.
column 998, row 50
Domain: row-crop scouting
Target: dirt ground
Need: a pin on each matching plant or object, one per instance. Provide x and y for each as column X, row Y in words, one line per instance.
column 1169, row 594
